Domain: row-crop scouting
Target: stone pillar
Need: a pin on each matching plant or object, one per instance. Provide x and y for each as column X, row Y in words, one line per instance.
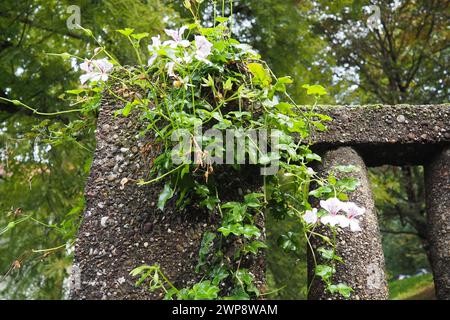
column 361, row 251
column 437, row 186
column 122, row 227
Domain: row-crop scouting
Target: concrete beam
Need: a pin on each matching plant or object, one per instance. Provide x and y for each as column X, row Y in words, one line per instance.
column 384, row 134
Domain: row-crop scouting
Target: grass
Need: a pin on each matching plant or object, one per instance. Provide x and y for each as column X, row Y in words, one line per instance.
column 413, row 288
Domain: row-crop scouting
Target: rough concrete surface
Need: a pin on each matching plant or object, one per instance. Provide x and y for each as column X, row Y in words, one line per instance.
column 361, row 251
column 384, row 134
column 122, row 227
column 437, row 183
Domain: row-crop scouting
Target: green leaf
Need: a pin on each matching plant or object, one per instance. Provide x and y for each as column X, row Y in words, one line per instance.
column 289, row 241
column 319, row 192
column 231, row 228
column 341, row 288
column 218, row 274
column 221, row 19
column 205, row 248
column 260, row 75
column 228, row 85
column 204, row 290
column 347, row 184
column 140, row 36
column 254, row 246
column 280, row 86
column 252, row 200
column 324, row 271
column 235, row 212
column 164, row 196
column 285, row 80
column 238, row 229
column 313, row 157
column 315, row 90
column 250, row 231
column 126, row 32
column 127, row 109
column 326, row 253
column 285, row 108
column 170, row 293
column 139, row 270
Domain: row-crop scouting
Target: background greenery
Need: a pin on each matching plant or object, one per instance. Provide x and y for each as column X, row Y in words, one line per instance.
column 405, row 60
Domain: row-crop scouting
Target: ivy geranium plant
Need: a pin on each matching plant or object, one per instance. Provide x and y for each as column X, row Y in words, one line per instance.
column 200, row 76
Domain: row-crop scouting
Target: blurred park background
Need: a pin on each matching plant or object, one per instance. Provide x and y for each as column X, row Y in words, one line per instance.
column 363, row 52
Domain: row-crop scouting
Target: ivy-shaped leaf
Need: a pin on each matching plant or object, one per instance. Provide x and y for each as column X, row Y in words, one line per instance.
column 164, row 196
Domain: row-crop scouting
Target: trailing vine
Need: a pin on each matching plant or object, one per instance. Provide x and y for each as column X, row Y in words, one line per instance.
column 196, row 80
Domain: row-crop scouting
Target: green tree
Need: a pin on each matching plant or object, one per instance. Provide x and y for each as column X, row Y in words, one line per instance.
column 40, row 183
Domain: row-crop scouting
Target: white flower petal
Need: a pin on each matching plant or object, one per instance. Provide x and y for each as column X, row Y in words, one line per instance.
column 203, row 47
column 330, row 219
column 156, row 41
column 86, row 66
column 332, row 205
column 343, row 221
column 170, row 66
column 103, row 65
column 310, row 216
column 85, row 77
column 185, row 43
column 96, row 76
column 354, row 225
column 171, row 33
column 353, row 210
column 152, row 60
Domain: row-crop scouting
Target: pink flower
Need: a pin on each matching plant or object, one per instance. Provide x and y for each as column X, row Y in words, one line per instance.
column 352, row 211
column 310, row 216
column 96, row 70
column 332, row 206
column 177, row 36
column 203, row 47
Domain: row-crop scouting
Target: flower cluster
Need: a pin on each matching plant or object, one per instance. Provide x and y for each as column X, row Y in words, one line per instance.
column 96, row 70
column 333, row 207
column 169, row 49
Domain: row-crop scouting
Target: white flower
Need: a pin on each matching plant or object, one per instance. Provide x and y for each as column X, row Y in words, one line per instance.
column 96, row 70
column 203, row 47
column 310, row 216
column 332, row 206
column 333, row 220
column 153, row 49
column 177, row 36
column 352, row 211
